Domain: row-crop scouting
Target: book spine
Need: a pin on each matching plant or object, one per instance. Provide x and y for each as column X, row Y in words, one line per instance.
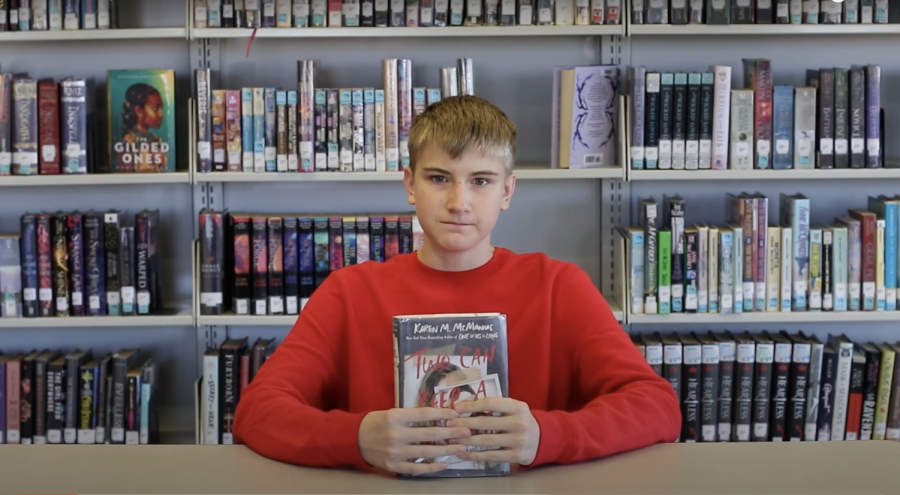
column 358, row 129
column 270, row 128
column 841, row 113
column 307, row 100
column 241, row 289
column 762, row 104
column 721, row 116
column 692, row 130
column 126, row 269
column 638, row 116
column 867, row 260
column 827, row 269
column 666, row 81
column 652, row 119
column 800, row 246
column 799, row 387
column 29, row 257
column 857, row 118
column 712, row 269
column 204, row 123
column 404, row 108
column 703, row 269
column 275, row 268
column 676, row 220
column 369, row 129
column 48, row 121
column 380, row 150
column 726, row 277
column 787, row 259
column 692, row 357
column 738, row 256
column 233, row 147
column 60, row 272
column 691, row 269
column 260, row 263
column 727, row 356
column 247, row 130
column 825, row 130
column 780, row 390
column 741, row 138
column 869, row 394
column 111, row 251
column 814, row 298
column 782, row 127
column 95, row 269
column 880, row 297
column 891, row 255
column 855, row 263
column 25, row 127
column 855, row 397
column 259, row 130
column 45, row 265
column 762, row 390
column 291, row 266
column 883, row 401
column 281, row 131
column 773, row 269
column 345, row 129
column 826, row 400
column 74, row 134
column 664, row 284
column 709, row 392
column 873, row 116
column 211, row 263
column 75, row 233
column 306, row 255
column 746, row 357
column 804, row 127
column 840, row 269
column 759, row 278
column 142, row 264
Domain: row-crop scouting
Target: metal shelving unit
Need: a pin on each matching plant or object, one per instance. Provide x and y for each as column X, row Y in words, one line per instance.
column 409, row 32
column 761, row 29
column 168, row 318
column 767, row 317
column 521, row 174
column 95, row 34
column 94, row 179
column 792, row 174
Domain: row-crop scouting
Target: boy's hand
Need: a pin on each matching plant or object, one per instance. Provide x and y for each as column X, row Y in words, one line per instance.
column 517, row 432
column 386, row 439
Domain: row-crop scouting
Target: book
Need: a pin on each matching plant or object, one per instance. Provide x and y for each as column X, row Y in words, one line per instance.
column 442, row 359
column 141, row 112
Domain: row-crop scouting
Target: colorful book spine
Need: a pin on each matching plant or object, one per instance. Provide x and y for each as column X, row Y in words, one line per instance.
column 320, row 147
column 25, row 127
column 233, row 147
column 840, row 268
column 804, row 127
column 307, row 100
column 75, row 234
column 773, row 269
column 404, row 108
column 738, row 250
column 638, row 89
column 259, row 130
column 369, row 129
column 873, row 116
column 664, row 255
column 270, row 129
column 800, row 253
column 703, row 269
column 651, row 120
column 787, row 259
column 636, row 267
column 247, row 130
column 359, row 131
column 712, row 268
column 726, row 278
column 880, row 292
column 816, row 264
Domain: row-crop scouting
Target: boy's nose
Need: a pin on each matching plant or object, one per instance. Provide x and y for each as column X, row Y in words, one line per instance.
column 459, row 197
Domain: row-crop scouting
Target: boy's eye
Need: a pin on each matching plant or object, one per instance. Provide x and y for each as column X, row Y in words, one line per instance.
column 482, row 182
column 438, row 178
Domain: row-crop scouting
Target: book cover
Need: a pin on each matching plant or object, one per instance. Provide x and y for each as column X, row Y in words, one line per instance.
column 141, row 106
column 448, row 358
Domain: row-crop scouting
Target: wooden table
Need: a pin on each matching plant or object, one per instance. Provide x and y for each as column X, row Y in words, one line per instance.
column 845, row 468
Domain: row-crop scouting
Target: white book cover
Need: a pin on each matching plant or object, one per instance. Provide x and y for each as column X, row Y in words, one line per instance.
column 209, row 397
column 721, row 115
column 584, row 117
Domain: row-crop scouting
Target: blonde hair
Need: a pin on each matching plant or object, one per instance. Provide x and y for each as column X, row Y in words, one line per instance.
column 464, row 123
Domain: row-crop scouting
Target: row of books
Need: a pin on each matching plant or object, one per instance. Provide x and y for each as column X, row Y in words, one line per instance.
column 58, row 15
column 316, row 129
column 759, row 12
column 79, row 397
column 227, row 370
column 778, row 386
column 52, row 127
column 265, row 264
column 402, row 13
column 81, row 264
column 699, row 120
column 754, row 262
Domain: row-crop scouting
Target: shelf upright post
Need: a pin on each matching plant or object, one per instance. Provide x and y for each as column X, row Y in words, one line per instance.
column 204, row 55
column 615, row 197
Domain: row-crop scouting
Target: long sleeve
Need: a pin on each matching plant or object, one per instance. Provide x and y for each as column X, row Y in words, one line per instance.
column 288, row 412
column 626, row 406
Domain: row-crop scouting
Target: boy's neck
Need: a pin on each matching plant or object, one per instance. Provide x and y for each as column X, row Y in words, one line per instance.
column 455, row 262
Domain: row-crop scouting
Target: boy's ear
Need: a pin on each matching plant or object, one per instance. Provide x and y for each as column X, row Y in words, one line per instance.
column 408, row 181
column 508, row 188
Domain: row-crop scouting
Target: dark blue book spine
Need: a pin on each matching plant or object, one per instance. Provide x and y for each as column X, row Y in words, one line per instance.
column 76, row 263
column 826, row 396
column 306, row 250
column 94, row 265
column 376, row 236
column 29, row 268
column 291, row 266
column 782, row 127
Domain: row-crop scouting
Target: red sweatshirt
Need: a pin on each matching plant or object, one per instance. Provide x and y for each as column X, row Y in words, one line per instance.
column 589, row 389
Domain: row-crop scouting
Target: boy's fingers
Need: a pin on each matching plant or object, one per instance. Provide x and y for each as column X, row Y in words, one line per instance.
column 417, row 467
column 435, row 433
column 431, row 451
column 503, row 405
column 420, row 414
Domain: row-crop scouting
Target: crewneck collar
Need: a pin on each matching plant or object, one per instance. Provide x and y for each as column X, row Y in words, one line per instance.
column 493, row 265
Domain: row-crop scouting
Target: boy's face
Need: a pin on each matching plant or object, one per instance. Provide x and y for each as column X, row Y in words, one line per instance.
column 458, row 201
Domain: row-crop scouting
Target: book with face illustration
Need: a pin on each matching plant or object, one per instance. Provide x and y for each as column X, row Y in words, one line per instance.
column 444, row 359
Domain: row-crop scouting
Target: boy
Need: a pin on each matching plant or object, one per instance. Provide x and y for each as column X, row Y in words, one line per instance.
column 578, row 387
